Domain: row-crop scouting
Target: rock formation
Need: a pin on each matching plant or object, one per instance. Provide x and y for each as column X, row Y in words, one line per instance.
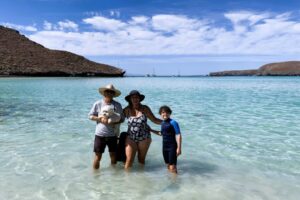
column 20, row 56
column 235, row 73
column 290, row 68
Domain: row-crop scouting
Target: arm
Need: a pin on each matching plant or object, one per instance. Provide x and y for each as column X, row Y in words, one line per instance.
column 101, row 119
column 179, row 141
column 125, row 113
column 155, row 131
column 178, row 136
column 150, row 115
column 122, row 115
column 93, row 115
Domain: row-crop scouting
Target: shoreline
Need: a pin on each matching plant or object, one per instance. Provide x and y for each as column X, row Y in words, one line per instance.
column 140, row 76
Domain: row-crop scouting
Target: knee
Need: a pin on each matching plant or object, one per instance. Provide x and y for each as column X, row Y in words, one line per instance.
column 98, row 156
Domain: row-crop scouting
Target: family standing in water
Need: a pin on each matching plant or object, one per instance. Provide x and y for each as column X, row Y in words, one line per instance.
column 108, row 115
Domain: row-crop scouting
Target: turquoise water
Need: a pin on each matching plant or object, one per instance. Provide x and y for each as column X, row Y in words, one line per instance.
column 241, row 139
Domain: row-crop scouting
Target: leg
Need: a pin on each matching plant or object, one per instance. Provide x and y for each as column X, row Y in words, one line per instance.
column 173, row 169
column 113, row 159
column 166, row 157
column 172, row 160
column 143, row 147
column 97, row 160
column 99, row 146
column 130, row 150
column 112, row 148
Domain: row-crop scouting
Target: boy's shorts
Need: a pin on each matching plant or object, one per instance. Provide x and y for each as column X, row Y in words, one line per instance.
column 170, row 155
column 101, row 142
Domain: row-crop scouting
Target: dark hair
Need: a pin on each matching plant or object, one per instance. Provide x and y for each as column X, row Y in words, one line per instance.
column 167, row 109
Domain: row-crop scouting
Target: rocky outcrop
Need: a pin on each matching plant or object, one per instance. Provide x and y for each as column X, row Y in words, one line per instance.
column 20, row 56
column 235, row 73
column 290, row 68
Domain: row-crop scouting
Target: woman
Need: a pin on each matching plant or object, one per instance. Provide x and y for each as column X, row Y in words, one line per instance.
column 139, row 137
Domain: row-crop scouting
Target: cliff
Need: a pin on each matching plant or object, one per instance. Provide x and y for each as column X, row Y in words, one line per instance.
column 20, row 56
column 290, row 68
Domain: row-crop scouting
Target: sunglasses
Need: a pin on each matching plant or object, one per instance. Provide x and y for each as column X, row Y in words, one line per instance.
column 109, row 92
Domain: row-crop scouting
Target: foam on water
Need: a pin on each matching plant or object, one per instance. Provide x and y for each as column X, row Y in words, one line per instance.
column 240, row 139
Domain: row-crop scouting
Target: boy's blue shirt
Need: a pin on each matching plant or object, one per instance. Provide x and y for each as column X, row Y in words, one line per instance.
column 176, row 126
column 173, row 123
column 169, row 130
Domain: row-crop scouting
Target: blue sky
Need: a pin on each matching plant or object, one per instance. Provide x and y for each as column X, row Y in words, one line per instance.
column 169, row 37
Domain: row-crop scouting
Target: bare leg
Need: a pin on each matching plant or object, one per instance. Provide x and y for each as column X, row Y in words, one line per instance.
column 143, row 147
column 130, row 151
column 113, row 159
column 168, row 167
column 172, row 169
column 97, row 159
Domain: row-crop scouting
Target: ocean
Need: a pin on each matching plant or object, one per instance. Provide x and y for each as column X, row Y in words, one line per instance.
column 241, row 139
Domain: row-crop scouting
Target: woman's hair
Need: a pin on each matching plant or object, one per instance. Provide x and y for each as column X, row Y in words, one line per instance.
column 130, row 103
column 167, row 109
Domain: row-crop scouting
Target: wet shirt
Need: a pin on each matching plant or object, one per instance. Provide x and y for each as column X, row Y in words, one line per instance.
column 105, row 130
column 169, row 130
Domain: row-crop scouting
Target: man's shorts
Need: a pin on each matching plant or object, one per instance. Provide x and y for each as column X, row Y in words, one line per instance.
column 101, row 142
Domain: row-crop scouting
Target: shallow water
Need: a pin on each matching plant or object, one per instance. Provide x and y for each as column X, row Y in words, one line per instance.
column 241, row 139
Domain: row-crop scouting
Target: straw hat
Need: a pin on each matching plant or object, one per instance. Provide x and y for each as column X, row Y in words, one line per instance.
column 111, row 88
column 134, row 92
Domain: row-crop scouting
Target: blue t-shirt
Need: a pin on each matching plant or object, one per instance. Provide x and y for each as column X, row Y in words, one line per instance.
column 169, row 130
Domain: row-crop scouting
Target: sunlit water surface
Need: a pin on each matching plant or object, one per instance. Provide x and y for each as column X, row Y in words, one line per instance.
column 241, row 139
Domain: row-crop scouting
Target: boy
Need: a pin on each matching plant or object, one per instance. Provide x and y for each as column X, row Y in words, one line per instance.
column 172, row 139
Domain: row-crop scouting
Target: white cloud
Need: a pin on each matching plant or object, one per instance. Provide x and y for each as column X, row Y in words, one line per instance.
column 139, row 20
column 20, row 27
column 67, row 25
column 172, row 23
column 103, row 23
column 114, row 13
column 243, row 21
column 92, row 13
column 251, row 33
column 250, row 18
column 48, row 26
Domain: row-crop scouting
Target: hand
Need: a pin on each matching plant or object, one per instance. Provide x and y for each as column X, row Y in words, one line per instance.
column 178, row 151
column 104, row 120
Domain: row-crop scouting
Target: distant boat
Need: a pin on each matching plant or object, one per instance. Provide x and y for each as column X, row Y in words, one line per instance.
column 151, row 75
column 153, row 72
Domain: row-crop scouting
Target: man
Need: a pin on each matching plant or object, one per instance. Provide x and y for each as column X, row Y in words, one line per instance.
column 105, row 134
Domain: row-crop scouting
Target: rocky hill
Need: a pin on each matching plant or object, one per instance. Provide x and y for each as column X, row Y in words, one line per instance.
column 20, row 56
column 252, row 72
column 290, row 68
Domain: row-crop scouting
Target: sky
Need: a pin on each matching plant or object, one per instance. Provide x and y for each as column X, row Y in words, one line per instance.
column 165, row 37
